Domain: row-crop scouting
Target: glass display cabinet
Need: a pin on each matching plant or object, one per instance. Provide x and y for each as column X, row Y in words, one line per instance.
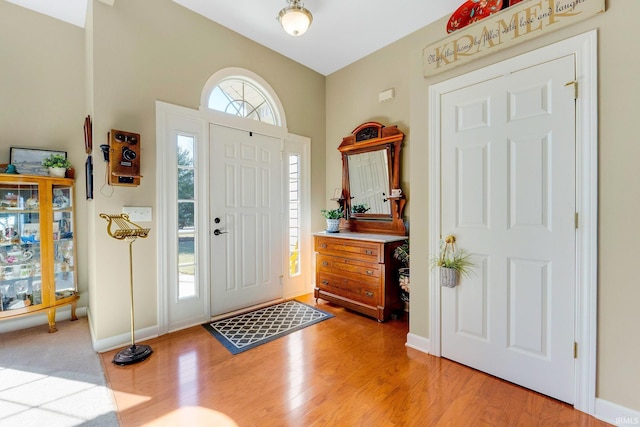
column 37, row 246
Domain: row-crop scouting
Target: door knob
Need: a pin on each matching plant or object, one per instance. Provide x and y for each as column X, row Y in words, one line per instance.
column 217, row 232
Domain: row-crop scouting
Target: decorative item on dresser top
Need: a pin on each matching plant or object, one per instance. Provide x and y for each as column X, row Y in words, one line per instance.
column 333, row 217
column 37, row 246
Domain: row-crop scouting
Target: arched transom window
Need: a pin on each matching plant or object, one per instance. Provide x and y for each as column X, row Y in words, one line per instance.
column 241, row 98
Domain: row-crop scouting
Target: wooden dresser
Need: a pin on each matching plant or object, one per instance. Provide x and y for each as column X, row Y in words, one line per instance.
column 358, row 271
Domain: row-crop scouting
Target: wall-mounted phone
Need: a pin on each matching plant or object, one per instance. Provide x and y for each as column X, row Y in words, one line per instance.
column 124, row 158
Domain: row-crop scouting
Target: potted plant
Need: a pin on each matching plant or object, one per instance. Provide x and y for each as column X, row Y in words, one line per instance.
column 401, row 253
column 451, row 262
column 333, row 217
column 57, row 165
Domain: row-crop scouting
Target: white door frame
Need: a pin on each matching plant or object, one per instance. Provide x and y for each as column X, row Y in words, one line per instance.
column 166, row 180
column 584, row 48
column 167, row 115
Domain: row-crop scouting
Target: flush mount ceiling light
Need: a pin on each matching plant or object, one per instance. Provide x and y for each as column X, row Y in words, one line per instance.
column 295, row 19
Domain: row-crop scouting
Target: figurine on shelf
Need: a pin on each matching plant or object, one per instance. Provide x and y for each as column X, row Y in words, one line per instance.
column 32, row 203
column 60, row 200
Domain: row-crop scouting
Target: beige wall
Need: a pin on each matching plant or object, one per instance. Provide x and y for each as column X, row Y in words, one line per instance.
column 151, row 50
column 42, row 97
column 351, row 99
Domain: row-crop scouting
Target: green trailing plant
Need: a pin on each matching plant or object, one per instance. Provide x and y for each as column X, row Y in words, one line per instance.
column 401, row 253
column 450, row 257
column 56, row 161
column 332, row 213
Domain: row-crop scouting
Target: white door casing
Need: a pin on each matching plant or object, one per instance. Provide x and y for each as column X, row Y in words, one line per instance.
column 176, row 313
column 246, row 199
column 508, row 196
column 583, row 49
column 301, row 282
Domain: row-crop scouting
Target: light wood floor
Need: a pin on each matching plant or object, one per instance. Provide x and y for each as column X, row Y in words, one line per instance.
column 346, row 371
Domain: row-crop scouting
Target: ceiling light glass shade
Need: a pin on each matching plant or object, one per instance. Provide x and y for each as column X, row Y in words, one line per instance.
column 295, row 19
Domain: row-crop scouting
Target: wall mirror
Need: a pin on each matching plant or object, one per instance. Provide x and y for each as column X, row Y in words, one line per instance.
column 371, row 194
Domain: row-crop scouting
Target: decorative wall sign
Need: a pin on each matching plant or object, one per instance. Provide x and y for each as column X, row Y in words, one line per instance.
column 513, row 25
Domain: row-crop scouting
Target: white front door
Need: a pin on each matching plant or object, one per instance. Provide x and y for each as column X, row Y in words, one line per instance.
column 246, row 209
column 508, row 195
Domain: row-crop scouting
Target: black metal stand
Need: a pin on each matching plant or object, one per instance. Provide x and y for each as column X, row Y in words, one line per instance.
column 132, row 354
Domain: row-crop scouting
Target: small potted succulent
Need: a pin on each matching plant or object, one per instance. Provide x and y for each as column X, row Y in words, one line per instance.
column 333, row 217
column 57, row 165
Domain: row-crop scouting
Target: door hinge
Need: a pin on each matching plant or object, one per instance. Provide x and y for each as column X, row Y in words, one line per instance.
column 575, row 350
column 575, row 88
column 576, row 220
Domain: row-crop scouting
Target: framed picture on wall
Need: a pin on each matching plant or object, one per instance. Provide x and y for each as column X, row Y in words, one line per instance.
column 28, row 161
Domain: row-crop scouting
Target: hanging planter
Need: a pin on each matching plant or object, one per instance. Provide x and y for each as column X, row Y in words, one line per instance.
column 451, row 263
column 449, row 277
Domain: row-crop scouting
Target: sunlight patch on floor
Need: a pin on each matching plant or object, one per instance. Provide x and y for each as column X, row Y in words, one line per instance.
column 128, row 400
column 63, row 398
column 193, row 416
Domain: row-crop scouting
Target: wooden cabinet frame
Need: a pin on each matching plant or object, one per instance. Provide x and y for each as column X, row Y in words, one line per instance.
column 50, row 201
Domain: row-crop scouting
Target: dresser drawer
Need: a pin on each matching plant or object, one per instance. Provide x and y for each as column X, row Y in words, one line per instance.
column 337, row 265
column 367, row 292
column 354, row 249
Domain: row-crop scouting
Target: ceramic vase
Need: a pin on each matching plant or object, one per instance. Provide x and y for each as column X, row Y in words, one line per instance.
column 333, row 225
column 57, row 172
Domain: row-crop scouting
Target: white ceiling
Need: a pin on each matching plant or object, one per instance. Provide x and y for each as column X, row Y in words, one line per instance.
column 342, row 31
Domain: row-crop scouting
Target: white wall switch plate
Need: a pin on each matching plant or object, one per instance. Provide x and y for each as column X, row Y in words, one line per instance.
column 138, row 213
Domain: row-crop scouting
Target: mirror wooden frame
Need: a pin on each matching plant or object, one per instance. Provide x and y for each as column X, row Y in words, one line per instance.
column 367, row 137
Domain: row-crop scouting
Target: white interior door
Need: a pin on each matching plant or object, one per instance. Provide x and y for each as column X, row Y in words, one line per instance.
column 246, row 208
column 508, row 195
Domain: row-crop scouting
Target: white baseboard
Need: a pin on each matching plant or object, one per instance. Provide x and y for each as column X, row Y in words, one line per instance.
column 40, row 319
column 419, row 343
column 123, row 340
column 616, row 414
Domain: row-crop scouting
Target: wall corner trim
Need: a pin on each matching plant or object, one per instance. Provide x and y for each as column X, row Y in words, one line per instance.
column 418, row 343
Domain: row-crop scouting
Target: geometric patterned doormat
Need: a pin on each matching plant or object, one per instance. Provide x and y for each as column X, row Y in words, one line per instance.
column 246, row 331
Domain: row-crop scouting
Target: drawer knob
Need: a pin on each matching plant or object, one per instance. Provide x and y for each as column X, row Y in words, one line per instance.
column 325, row 282
column 369, row 273
column 369, row 294
column 325, row 263
column 323, row 246
column 368, row 252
